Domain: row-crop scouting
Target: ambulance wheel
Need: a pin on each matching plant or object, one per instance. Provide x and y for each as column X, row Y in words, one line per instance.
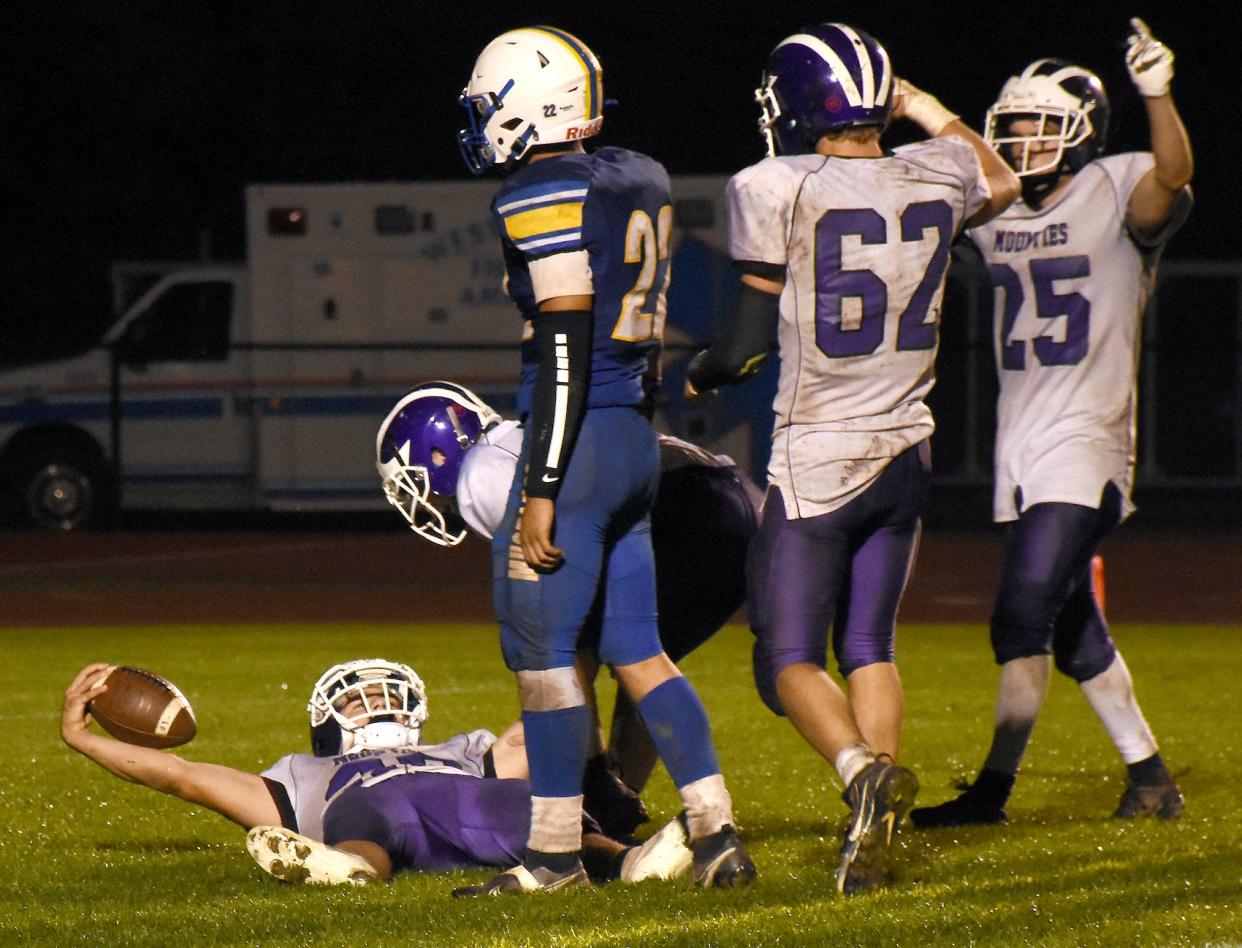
column 65, row 488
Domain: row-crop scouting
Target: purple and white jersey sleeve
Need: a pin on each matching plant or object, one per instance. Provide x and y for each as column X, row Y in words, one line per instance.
column 1125, row 171
column 758, row 200
column 312, row 783
column 487, row 473
column 953, row 157
column 1070, row 285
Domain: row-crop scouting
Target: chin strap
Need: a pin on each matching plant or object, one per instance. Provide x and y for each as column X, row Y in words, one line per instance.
column 1037, row 187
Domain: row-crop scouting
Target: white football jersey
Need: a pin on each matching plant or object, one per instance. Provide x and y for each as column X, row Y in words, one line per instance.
column 1071, row 284
column 488, row 469
column 312, row 783
column 865, row 245
column 485, row 477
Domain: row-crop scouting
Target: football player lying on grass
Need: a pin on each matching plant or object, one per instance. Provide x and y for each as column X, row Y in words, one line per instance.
column 371, row 801
column 447, row 461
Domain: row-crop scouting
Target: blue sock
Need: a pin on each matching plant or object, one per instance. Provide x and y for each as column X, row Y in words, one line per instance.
column 679, row 727
column 556, row 748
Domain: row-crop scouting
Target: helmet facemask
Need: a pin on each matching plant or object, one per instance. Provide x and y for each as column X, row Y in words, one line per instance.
column 408, row 488
column 1046, row 149
column 386, row 704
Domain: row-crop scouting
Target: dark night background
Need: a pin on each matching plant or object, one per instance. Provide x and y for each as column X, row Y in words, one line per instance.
column 134, row 124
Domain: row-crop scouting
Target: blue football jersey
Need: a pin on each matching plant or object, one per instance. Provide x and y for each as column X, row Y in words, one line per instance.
column 595, row 224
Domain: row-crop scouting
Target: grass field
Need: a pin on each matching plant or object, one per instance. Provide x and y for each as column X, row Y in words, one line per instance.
column 86, row 859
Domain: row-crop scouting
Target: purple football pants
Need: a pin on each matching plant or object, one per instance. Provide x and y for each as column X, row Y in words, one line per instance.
column 845, row 570
column 1046, row 601
column 435, row 821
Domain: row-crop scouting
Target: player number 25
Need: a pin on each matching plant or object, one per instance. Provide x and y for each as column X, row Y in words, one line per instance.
column 1049, row 304
column 834, row 284
column 642, row 308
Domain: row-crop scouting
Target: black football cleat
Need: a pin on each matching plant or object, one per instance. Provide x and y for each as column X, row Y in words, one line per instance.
column 880, row 797
column 617, row 809
column 1162, row 799
column 967, row 809
column 520, row 881
column 721, row 861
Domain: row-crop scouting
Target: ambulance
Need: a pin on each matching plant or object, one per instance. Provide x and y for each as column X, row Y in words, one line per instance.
column 260, row 385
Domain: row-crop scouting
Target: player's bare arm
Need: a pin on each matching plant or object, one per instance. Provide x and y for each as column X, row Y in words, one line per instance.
column 555, row 419
column 239, row 796
column 1153, row 199
column 926, row 111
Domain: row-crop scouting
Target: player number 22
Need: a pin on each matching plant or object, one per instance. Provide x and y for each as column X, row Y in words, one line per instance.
column 643, row 308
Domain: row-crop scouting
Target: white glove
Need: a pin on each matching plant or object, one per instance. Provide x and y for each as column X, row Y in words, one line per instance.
column 1150, row 62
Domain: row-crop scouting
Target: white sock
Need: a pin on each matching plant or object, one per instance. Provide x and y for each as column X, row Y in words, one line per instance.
column 555, row 824
column 708, row 806
column 852, row 760
column 1111, row 696
column 1023, row 685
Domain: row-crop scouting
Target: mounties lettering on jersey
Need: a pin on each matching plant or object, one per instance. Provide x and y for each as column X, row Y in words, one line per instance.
column 1014, row 241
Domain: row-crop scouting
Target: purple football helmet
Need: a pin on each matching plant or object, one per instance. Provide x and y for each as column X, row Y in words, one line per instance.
column 823, row 79
column 419, row 450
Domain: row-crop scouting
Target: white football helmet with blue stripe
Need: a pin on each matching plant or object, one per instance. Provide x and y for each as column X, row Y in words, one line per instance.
column 533, row 86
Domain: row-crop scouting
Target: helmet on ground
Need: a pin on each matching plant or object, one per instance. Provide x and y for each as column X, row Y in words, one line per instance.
column 529, row 87
column 823, row 79
column 386, row 700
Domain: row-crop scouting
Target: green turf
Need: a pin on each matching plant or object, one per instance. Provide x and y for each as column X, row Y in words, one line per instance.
column 88, row 859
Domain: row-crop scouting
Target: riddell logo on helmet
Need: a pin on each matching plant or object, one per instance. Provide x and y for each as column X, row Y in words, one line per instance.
column 585, row 131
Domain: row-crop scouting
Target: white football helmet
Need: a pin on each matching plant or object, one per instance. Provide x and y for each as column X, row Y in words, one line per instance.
column 532, row 86
column 1070, row 110
column 393, row 707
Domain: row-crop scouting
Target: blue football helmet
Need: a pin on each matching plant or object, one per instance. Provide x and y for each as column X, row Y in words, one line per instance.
column 386, row 701
column 419, row 450
column 1067, row 111
column 820, row 80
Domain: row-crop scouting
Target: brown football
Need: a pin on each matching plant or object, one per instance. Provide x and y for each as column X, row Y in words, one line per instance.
column 141, row 707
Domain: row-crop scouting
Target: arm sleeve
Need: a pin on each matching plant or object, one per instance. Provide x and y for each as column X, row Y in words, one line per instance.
column 742, row 347
column 563, row 351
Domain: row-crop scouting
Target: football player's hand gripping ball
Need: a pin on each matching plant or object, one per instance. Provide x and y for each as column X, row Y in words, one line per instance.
column 1150, row 62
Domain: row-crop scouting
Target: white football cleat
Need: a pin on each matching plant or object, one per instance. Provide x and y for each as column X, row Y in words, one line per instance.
column 293, row 858
column 665, row 855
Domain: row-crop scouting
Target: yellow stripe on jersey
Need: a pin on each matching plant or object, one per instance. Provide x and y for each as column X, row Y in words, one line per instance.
column 544, row 220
